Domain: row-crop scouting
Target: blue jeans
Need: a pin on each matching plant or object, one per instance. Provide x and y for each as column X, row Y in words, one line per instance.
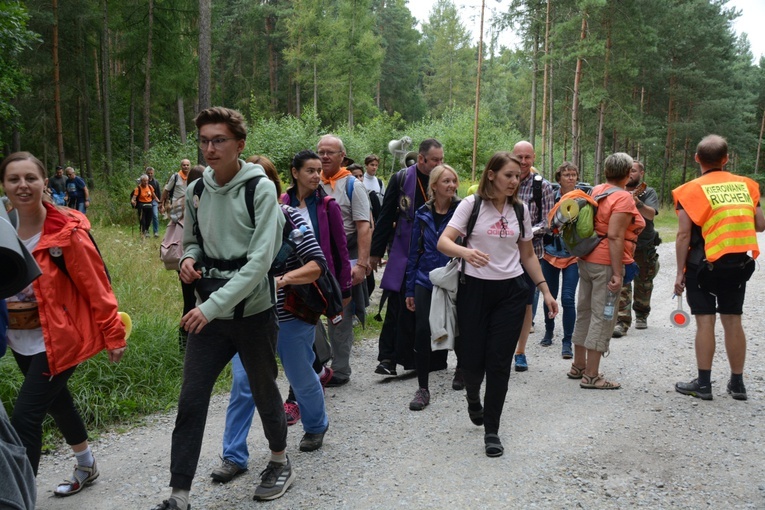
column 295, row 349
column 568, row 296
column 155, row 216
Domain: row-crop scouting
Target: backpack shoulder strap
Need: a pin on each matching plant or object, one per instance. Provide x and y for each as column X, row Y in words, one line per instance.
column 520, row 215
column 349, row 189
column 61, row 263
column 609, row 191
column 199, row 187
column 249, row 196
column 536, row 187
column 469, row 230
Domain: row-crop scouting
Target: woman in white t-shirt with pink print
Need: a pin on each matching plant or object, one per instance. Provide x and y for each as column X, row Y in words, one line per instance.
column 491, row 302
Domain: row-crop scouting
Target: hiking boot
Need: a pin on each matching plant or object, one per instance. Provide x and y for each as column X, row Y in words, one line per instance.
column 695, row 390
column 737, row 391
column 226, row 472
column 169, row 504
column 312, row 442
column 420, row 400
column 335, row 381
column 641, row 323
column 387, row 368
column 547, row 340
column 458, row 383
column 566, row 352
column 326, row 377
column 274, row 481
column 620, row 330
column 292, row 411
column 82, row 476
column 520, row 363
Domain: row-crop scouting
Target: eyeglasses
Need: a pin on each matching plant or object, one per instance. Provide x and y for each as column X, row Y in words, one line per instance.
column 503, row 230
column 328, row 153
column 216, row 142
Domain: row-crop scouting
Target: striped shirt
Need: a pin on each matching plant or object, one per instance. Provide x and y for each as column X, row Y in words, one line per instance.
column 307, row 250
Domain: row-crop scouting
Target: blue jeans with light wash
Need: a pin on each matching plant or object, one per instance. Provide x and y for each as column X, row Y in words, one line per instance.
column 155, row 216
column 568, row 296
column 295, row 349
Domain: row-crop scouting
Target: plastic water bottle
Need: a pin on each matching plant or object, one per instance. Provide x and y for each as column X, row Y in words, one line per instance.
column 608, row 310
column 294, row 238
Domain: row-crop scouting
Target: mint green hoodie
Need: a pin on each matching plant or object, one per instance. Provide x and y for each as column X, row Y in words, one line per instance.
column 229, row 234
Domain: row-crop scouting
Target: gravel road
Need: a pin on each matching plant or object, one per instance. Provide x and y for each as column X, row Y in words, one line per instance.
column 642, row 446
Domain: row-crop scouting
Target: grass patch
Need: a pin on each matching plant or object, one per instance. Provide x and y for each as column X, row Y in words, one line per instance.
column 666, row 223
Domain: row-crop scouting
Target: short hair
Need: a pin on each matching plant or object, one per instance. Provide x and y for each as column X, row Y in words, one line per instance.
column 435, row 175
column 66, row 170
column 566, row 165
column 640, row 165
column 59, row 167
column 429, row 143
column 712, row 149
column 270, row 169
column 143, row 176
column 618, row 166
column 21, row 156
column 220, row 115
column 370, row 158
column 495, row 164
column 330, row 135
column 195, row 173
column 354, row 166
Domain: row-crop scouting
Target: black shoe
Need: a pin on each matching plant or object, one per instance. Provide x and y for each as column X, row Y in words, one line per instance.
column 334, row 382
column 386, row 367
column 737, row 391
column 475, row 411
column 170, row 504
column 458, row 383
column 695, row 390
column 547, row 340
column 274, row 481
column 312, row 442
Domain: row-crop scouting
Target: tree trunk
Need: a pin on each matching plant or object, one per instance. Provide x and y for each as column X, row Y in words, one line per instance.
column 551, row 129
column 131, row 131
column 759, row 142
column 181, row 120
column 350, row 101
column 575, row 99
column 205, row 30
column 534, row 73
column 686, row 154
column 272, row 63
column 477, row 94
column 147, row 87
column 543, row 158
column 57, row 89
column 315, row 88
column 668, row 141
column 298, row 104
column 105, row 110
column 602, row 109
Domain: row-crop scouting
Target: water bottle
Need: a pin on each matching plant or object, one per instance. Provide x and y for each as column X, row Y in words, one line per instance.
column 294, row 238
column 608, row 310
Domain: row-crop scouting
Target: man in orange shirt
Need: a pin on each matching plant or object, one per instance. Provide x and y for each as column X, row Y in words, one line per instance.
column 718, row 216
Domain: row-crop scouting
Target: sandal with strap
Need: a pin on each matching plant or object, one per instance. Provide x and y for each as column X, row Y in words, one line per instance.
column 493, row 445
column 475, row 411
column 575, row 372
column 591, row 383
column 78, row 482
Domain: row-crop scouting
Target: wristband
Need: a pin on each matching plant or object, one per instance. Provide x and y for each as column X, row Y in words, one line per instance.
column 540, row 283
column 362, row 265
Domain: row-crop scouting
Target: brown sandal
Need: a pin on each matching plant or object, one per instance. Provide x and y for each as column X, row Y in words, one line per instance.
column 591, row 383
column 575, row 372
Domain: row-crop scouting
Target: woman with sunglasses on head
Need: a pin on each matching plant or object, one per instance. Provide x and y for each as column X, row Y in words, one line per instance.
column 558, row 264
column 492, row 295
column 430, row 221
column 76, row 316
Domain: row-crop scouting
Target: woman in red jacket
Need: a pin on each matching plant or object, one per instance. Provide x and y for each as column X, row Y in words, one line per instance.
column 66, row 316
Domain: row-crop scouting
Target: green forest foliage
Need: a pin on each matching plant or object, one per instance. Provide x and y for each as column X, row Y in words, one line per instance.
column 656, row 75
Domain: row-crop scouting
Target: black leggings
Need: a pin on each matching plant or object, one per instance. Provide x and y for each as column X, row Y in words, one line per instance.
column 41, row 394
column 490, row 314
column 146, row 217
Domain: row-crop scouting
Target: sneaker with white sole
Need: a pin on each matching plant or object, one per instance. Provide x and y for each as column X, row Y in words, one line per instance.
column 641, row 323
column 292, row 411
column 274, row 481
column 620, row 330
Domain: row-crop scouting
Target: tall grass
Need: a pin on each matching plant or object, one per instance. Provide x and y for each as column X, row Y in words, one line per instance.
column 148, row 378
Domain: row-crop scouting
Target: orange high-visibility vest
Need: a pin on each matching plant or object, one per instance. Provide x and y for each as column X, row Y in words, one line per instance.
column 723, row 205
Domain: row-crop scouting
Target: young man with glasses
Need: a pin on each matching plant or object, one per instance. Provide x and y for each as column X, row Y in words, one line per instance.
column 229, row 259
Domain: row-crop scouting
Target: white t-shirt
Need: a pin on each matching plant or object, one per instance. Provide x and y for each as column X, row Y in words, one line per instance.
column 504, row 256
column 27, row 342
column 358, row 211
column 371, row 183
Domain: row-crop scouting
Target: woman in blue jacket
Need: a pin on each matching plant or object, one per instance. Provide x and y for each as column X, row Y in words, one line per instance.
column 429, row 222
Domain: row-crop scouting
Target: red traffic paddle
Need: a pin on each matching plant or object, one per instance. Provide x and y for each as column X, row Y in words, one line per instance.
column 679, row 317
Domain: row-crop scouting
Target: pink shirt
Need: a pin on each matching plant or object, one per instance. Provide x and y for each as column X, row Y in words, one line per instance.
column 504, row 256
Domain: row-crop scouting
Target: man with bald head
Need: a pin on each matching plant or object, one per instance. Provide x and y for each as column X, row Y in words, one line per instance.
column 353, row 200
column 537, row 193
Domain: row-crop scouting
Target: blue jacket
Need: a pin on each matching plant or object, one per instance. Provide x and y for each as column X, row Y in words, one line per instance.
column 424, row 256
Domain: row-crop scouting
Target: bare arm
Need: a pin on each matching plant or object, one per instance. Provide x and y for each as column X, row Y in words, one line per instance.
column 364, row 240
column 648, row 212
column 682, row 243
column 304, row 274
column 617, row 227
column 759, row 219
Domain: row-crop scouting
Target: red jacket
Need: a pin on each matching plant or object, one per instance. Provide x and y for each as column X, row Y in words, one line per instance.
column 78, row 312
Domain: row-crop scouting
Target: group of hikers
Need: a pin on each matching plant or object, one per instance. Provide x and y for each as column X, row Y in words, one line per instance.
column 462, row 275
